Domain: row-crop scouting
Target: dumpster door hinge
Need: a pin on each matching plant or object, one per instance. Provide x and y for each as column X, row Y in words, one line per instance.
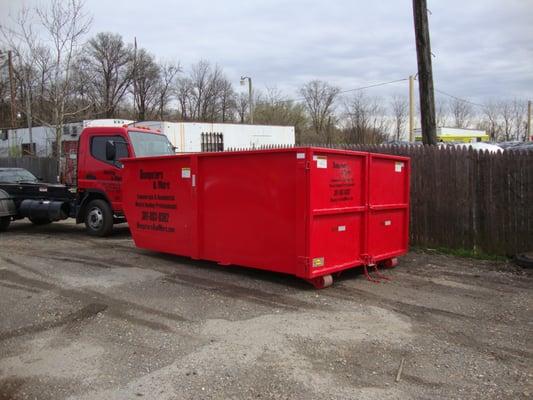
column 367, row 259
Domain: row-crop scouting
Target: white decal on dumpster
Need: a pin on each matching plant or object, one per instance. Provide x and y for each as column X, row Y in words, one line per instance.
column 185, row 172
column 398, row 166
column 321, row 162
column 387, row 222
column 341, row 228
column 300, row 156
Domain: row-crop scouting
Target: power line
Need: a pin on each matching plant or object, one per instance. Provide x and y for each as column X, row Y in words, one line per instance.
column 353, row 90
column 373, row 86
column 389, row 83
column 459, row 99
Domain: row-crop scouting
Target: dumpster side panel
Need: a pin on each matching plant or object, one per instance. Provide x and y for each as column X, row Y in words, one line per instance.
column 158, row 203
column 338, row 207
column 253, row 209
column 388, row 222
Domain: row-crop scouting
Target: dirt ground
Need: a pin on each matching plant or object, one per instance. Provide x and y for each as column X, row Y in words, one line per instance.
column 86, row 318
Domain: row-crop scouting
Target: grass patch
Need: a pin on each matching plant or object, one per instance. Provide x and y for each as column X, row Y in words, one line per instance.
column 463, row 253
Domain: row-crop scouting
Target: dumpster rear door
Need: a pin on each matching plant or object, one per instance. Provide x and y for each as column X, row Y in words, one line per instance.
column 388, row 219
column 338, row 205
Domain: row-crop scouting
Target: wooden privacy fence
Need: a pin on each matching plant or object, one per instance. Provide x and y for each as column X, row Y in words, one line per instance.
column 470, row 199
column 467, row 199
column 42, row 167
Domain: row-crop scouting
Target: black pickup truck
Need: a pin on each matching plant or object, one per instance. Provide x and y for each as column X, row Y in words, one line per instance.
column 22, row 195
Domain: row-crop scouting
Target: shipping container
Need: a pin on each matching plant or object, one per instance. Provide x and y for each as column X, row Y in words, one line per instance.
column 309, row 212
column 190, row 137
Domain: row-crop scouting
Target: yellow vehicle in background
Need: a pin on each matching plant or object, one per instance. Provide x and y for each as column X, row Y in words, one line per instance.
column 445, row 134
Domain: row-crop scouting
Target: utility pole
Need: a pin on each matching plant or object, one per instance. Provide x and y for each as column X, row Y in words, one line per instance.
column 528, row 138
column 411, row 108
column 250, row 97
column 425, row 74
column 12, row 88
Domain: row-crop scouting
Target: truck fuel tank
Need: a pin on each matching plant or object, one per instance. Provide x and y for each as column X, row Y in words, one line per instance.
column 44, row 209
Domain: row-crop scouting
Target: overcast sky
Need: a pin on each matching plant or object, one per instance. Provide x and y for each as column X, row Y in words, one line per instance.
column 483, row 48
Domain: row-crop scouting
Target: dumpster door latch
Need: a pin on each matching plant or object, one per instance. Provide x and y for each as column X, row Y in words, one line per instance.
column 193, row 182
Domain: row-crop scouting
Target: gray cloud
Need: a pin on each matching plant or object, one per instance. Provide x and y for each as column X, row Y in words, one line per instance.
column 483, row 48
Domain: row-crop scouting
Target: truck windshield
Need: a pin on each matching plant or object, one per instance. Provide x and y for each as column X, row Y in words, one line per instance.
column 149, row 144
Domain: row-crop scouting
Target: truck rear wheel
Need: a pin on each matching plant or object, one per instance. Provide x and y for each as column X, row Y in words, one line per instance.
column 99, row 218
column 4, row 223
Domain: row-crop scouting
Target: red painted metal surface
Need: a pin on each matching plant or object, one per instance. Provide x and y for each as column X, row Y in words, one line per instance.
column 308, row 212
column 69, row 153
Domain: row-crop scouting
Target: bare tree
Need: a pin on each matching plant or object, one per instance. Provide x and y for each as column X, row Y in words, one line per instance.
column 504, row 119
column 320, row 103
column 61, row 27
column 462, row 112
column 108, row 69
column 184, row 90
column 43, row 66
column 227, row 100
column 366, row 120
column 206, row 94
column 242, row 106
column 5, row 94
column 146, row 82
column 168, row 73
column 216, row 83
column 519, row 111
column 200, row 82
column 65, row 24
column 490, row 122
column 506, row 115
column 441, row 112
column 22, row 40
column 399, row 106
column 275, row 109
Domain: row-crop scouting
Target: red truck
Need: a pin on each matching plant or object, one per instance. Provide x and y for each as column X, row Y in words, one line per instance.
column 97, row 198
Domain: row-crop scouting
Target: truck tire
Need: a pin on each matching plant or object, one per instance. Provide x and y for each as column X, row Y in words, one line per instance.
column 40, row 221
column 99, row 218
column 4, row 223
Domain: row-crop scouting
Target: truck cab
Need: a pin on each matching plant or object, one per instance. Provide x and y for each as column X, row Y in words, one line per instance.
column 97, row 198
column 99, row 175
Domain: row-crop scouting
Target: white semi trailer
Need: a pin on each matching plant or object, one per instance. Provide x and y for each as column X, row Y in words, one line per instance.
column 190, row 137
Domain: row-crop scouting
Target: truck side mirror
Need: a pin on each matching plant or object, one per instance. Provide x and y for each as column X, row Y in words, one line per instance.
column 110, row 150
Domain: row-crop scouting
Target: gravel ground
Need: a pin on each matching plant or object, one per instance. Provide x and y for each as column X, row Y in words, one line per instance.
column 86, row 318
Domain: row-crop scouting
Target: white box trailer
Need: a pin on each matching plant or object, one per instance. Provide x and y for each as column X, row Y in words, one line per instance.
column 16, row 142
column 189, row 137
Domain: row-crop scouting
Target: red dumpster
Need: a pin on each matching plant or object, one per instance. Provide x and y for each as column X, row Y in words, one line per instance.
column 309, row 212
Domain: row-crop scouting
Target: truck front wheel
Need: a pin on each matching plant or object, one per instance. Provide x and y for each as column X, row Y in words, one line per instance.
column 4, row 223
column 99, row 218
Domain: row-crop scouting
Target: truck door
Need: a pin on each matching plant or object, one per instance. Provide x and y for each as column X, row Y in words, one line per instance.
column 106, row 175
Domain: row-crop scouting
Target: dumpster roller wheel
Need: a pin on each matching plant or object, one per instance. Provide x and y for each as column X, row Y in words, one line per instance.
column 321, row 282
column 390, row 263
